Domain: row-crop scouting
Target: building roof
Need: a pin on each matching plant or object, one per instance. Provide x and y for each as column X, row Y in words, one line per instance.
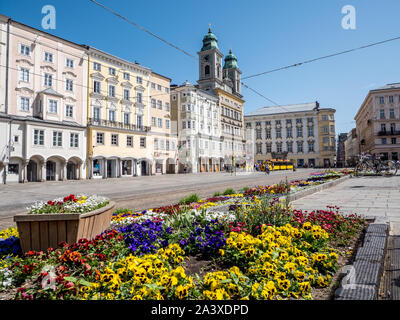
column 302, row 107
column 389, row 86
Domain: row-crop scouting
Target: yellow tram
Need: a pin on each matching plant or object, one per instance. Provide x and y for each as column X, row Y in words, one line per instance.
column 277, row 164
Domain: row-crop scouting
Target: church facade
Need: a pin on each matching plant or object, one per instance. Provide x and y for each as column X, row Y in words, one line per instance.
column 220, row 77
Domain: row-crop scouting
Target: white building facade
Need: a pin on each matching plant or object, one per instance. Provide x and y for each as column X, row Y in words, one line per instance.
column 195, row 116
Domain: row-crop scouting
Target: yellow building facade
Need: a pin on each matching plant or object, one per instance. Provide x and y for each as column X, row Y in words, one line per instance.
column 326, row 136
column 118, row 142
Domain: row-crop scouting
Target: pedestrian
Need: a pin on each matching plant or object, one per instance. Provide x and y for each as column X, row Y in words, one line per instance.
column 185, row 168
column 267, row 169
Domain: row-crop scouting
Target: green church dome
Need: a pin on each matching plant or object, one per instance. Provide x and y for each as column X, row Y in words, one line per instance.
column 210, row 41
column 230, row 61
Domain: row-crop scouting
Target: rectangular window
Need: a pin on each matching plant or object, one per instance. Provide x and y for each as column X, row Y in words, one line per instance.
column 310, row 131
column 126, row 118
column 38, row 137
column 299, row 132
column 139, row 80
column 74, row 140
column 139, row 97
column 24, row 103
column 390, row 99
column 111, row 71
column 258, row 133
column 324, row 117
column 48, row 57
column 268, row 147
column 153, row 85
column 278, row 133
column 382, row 113
column 111, row 91
column 69, row 85
column 114, row 139
column 381, row 100
column 289, row 133
column 159, row 122
column 167, row 106
column 268, row 133
column 142, row 142
column 48, row 80
column 57, row 139
column 126, row 76
column 139, row 121
column 279, row 147
column 159, row 104
column 96, row 113
column 96, row 87
column 24, row 75
column 325, row 129
column 96, row 66
column 69, row 111
column 167, row 145
column 153, row 103
column 310, row 146
column 52, row 106
column 153, row 121
column 129, row 141
column 111, row 115
column 391, row 113
column 166, row 90
column 167, row 123
column 392, row 127
column 100, row 138
column 384, row 141
column 289, row 146
column 69, row 63
column 299, row 146
column 25, row 50
column 126, row 94
column 332, row 128
column 158, row 87
column 394, row 141
column 155, row 144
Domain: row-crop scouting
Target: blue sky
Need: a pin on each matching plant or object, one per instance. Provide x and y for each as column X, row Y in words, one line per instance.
column 263, row 34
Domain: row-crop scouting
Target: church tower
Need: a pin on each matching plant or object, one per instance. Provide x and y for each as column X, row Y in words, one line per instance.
column 210, row 64
column 231, row 71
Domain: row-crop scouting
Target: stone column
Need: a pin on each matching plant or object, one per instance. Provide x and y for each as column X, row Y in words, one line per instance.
column 43, row 171
column 119, row 174
column 25, row 171
column 105, row 169
column 64, row 171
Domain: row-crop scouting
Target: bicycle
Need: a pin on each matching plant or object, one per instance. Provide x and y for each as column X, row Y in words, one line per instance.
column 374, row 163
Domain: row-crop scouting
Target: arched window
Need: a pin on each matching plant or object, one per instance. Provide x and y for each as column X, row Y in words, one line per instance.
column 207, row 70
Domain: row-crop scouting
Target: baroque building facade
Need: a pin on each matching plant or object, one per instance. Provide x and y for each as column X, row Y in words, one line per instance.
column 299, row 132
column 378, row 122
column 43, row 105
column 196, row 118
column 221, row 78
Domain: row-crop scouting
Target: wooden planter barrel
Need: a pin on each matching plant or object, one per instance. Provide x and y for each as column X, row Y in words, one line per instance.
column 41, row 231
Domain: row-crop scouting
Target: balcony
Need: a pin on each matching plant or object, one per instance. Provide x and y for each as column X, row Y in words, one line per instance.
column 389, row 133
column 117, row 125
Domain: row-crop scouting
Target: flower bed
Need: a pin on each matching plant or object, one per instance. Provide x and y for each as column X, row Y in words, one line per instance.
column 261, row 249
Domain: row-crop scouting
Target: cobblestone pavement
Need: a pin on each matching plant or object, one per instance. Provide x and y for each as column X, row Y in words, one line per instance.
column 377, row 197
column 136, row 193
column 368, row 196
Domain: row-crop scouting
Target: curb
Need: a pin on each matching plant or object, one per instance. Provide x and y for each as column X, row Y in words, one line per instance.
column 362, row 279
column 320, row 187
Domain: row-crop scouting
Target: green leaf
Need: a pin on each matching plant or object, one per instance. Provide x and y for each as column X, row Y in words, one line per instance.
column 71, row 279
column 84, row 283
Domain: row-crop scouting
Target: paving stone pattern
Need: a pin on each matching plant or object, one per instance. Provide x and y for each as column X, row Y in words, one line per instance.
column 367, row 267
